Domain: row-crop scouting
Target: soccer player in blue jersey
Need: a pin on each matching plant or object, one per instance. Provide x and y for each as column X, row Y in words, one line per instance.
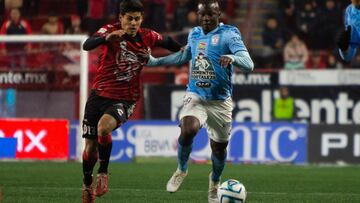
column 349, row 39
column 213, row 48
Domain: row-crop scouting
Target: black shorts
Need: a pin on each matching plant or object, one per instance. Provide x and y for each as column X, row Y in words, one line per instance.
column 97, row 106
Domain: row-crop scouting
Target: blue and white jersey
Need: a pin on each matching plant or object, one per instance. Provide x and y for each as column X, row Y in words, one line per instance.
column 206, row 77
column 352, row 18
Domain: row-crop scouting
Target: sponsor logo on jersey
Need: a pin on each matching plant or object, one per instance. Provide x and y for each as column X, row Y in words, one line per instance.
column 202, row 46
column 203, row 68
column 102, row 30
column 203, row 84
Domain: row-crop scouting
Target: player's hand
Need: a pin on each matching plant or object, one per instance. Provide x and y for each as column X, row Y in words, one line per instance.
column 225, row 61
column 115, row 35
column 343, row 39
column 143, row 56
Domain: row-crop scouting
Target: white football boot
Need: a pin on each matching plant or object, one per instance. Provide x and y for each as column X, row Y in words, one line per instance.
column 213, row 188
column 175, row 181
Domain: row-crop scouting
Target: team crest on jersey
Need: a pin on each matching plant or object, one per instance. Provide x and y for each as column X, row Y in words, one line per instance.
column 126, row 54
column 202, row 46
column 202, row 68
column 129, row 62
column 215, row 40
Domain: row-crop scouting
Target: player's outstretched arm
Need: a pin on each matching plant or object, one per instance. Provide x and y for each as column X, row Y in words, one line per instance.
column 177, row 58
column 240, row 59
column 94, row 41
column 169, row 44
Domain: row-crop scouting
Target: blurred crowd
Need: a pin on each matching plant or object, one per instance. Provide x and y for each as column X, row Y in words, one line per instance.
column 298, row 35
column 51, row 17
column 302, row 35
column 87, row 16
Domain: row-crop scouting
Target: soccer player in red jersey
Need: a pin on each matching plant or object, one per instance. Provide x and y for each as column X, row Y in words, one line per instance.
column 124, row 51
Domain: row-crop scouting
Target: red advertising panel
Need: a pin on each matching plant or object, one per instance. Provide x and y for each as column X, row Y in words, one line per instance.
column 38, row 139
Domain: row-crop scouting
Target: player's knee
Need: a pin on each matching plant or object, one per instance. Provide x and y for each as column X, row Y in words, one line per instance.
column 189, row 132
column 103, row 131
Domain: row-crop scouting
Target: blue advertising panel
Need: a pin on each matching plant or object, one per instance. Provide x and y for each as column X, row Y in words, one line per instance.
column 259, row 143
column 249, row 143
column 268, row 142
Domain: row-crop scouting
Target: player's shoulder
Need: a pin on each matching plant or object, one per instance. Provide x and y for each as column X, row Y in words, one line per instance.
column 146, row 32
column 196, row 31
column 349, row 8
column 109, row 28
column 229, row 29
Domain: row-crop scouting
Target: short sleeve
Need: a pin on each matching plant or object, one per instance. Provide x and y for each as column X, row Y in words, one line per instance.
column 234, row 41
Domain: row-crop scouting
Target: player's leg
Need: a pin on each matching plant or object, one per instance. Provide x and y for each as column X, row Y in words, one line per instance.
column 90, row 153
column 192, row 116
column 218, row 128
column 218, row 159
column 115, row 115
column 90, row 156
column 106, row 124
column 190, row 125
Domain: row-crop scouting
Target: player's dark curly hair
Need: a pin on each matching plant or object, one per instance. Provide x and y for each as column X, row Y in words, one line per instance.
column 127, row 6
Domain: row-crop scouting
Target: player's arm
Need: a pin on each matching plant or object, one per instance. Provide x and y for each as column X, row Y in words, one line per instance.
column 346, row 50
column 93, row 42
column 240, row 59
column 169, row 43
column 239, row 55
column 177, row 58
column 102, row 36
column 348, row 54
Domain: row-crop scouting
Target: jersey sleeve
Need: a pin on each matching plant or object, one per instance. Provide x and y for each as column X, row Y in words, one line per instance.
column 105, row 30
column 154, row 38
column 346, row 16
column 234, row 41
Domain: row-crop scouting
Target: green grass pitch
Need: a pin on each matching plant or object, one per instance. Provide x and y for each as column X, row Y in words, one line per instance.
column 50, row 182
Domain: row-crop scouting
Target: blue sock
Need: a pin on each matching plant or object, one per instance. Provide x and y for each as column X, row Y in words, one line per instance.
column 183, row 156
column 218, row 167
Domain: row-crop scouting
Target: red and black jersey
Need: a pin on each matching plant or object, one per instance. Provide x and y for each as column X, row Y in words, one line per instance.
column 118, row 72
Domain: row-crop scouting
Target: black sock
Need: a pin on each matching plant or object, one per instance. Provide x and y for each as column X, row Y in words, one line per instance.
column 89, row 161
column 104, row 157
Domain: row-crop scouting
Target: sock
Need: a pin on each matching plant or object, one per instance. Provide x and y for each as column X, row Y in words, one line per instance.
column 218, row 164
column 184, row 149
column 105, row 146
column 89, row 161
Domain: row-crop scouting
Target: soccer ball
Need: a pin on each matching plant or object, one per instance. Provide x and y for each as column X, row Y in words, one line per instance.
column 231, row 191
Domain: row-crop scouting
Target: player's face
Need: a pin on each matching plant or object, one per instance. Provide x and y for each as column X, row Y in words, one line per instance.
column 130, row 22
column 209, row 16
column 356, row 3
